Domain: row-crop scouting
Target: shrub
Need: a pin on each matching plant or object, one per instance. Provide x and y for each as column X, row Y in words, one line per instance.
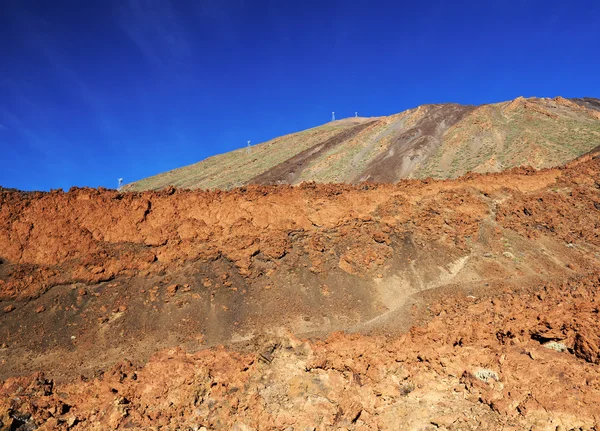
column 485, row 375
column 555, row 345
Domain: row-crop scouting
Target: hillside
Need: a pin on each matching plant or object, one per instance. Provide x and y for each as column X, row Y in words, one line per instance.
column 438, row 141
column 466, row 304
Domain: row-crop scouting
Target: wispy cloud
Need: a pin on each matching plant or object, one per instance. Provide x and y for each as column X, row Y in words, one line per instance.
column 33, row 143
column 156, row 29
column 78, row 87
column 40, row 39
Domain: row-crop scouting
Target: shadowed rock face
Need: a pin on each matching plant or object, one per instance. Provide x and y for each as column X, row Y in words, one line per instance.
column 588, row 102
column 438, row 141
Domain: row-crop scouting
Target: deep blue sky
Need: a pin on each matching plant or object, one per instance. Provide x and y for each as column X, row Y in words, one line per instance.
column 94, row 90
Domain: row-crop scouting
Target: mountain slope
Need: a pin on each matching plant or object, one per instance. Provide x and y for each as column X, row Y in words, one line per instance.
column 439, row 141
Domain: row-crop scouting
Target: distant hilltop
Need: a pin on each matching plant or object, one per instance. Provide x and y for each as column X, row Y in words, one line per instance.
column 439, row 141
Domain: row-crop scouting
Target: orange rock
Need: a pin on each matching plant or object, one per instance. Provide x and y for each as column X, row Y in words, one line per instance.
column 172, row 289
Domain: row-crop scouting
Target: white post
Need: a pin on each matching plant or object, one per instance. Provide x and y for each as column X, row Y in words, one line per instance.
column 120, row 184
column 333, row 116
column 248, row 147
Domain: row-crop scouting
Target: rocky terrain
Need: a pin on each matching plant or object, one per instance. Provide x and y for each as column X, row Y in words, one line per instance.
column 453, row 304
column 437, row 141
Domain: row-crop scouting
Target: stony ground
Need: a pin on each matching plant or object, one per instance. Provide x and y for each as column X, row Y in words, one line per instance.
column 466, row 304
column 519, row 360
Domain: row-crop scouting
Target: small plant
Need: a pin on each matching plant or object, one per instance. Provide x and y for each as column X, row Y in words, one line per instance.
column 555, row 345
column 406, row 388
column 485, row 375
